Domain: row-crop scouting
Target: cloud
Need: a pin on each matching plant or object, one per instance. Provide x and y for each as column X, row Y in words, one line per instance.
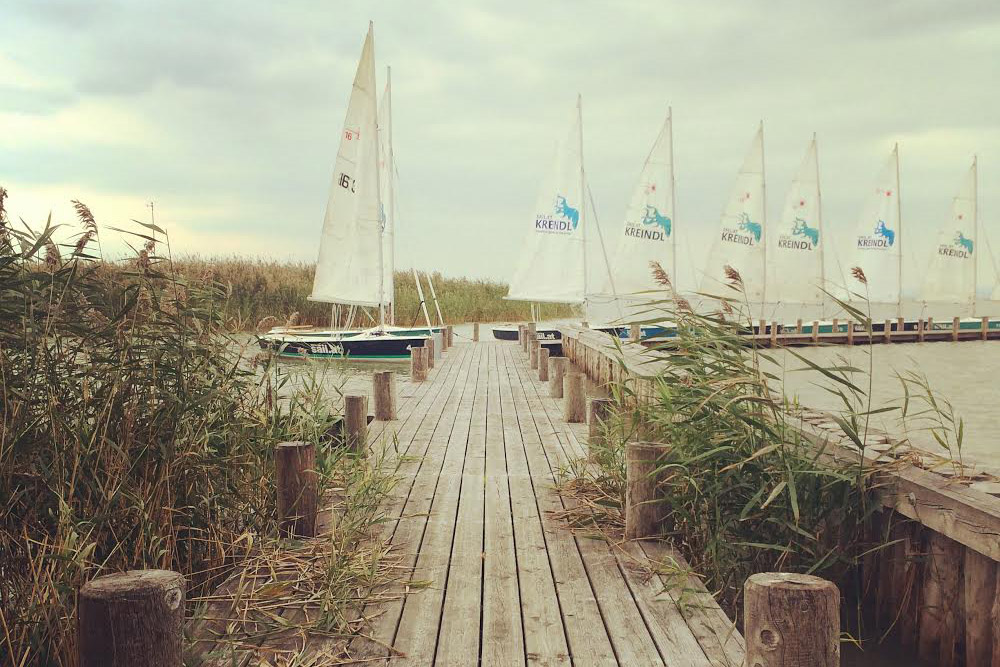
column 227, row 114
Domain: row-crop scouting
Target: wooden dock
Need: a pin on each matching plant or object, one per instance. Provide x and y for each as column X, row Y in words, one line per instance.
column 504, row 582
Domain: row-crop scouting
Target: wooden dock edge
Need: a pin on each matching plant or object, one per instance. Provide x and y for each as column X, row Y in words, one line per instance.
column 937, row 587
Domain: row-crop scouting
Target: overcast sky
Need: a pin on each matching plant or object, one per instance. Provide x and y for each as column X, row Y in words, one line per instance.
column 227, row 114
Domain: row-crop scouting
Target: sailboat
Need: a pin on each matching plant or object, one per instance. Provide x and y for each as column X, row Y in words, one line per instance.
column 742, row 240
column 647, row 235
column 352, row 268
column 553, row 261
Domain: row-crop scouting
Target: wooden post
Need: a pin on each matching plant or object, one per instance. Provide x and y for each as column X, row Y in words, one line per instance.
column 774, row 334
column 791, row 620
column 543, row 364
column 533, row 354
column 888, row 331
column 600, row 410
column 643, row 515
column 356, row 423
column 939, row 610
column 418, row 364
column 815, row 332
column 954, row 329
column 585, row 324
column 298, row 491
column 982, row 633
column 475, row 332
column 429, row 346
column 575, row 407
column 557, row 369
column 986, row 327
column 520, row 334
column 836, row 326
column 451, row 335
column 762, row 328
column 850, row 332
column 131, row 618
column 384, row 391
column 920, row 331
column 533, row 330
column 634, row 333
column 798, row 326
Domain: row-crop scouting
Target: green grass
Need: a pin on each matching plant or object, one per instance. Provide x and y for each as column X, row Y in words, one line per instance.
column 257, row 288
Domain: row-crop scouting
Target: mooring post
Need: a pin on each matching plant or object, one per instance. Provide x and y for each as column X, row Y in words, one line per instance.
column 356, row 423
column 575, row 406
column 475, row 332
column 557, row 369
column 634, row 333
column 431, row 346
column 982, row 634
column 850, row 332
column 543, row 364
column 298, row 491
column 520, row 334
column 643, row 514
column 798, row 326
column 600, row 410
column 762, row 328
column 418, row 364
column 533, row 354
column 920, row 331
column 888, row 331
column 532, row 331
column 986, row 327
column 384, row 391
column 900, row 325
column 774, row 334
column 939, row 609
column 131, row 618
column 815, row 331
column 791, row 620
column 954, row 329
column 451, row 335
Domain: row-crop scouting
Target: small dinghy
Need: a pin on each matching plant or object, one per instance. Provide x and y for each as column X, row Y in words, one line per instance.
column 375, row 344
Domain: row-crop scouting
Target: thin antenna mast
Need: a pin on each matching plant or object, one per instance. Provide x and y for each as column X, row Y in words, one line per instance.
column 899, row 217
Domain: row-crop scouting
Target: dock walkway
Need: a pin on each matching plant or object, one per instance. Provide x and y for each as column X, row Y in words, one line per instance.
column 503, row 581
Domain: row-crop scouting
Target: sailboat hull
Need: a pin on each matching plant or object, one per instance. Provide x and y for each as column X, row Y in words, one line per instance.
column 510, row 333
column 359, row 347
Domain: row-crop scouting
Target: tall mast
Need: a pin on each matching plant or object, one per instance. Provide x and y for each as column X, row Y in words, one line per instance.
column 391, row 164
column 583, row 194
column 763, row 219
column 819, row 224
column 430, row 281
column 673, row 203
column 899, row 231
column 378, row 194
column 975, row 229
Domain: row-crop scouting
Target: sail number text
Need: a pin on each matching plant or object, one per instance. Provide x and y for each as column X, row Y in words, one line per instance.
column 346, row 182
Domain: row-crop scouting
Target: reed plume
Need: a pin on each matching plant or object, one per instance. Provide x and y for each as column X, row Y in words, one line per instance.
column 859, row 275
column 659, row 275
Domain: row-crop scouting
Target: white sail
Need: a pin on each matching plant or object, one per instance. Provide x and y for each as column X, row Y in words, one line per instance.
column 552, row 265
column 795, row 266
column 877, row 242
column 387, row 183
column 741, row 241
column 648, row 231
column 349, row 267
column 951, row 275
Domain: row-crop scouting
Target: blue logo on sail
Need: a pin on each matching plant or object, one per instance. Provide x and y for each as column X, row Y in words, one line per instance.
column 960, row 247
column 882, row 238
column 748, row 225
column 652, row 217
column 564, row 219
column 885, row 232
column 746, row 232
column 565, row 210
column 803, row 237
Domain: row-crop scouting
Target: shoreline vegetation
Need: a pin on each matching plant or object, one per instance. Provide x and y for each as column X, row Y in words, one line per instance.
column 136, row 433
column 257, row 289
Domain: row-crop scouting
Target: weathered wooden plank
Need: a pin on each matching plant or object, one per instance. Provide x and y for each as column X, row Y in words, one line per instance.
column 458, row 638
column 503, row 638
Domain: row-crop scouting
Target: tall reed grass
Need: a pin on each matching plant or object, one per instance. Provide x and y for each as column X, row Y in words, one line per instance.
column 746, row 487
column 133, row 433
column 257, row 288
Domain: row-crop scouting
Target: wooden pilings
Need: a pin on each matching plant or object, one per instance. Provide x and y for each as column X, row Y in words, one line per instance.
column 132, row 618
column 429, row 345
column 475, row 332
column 887, row 331
column 543, row 364
column 557, row 369
column 384, row 393
column 533, row 348
column 418, row 364
column 815, row 331
column 982, row 610
column 985, row 328
column 939, row 632
column 634, row 333
column 643, row 514
column 774, row 334
column 450, row 336
column 600, row 410
column 920, row 331
column 298, row 488
column 954, row 329
column 574, row 397
column 356, row 423
column 791, row 620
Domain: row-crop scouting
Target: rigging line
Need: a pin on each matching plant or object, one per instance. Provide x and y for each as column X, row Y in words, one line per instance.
column 604, row 251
